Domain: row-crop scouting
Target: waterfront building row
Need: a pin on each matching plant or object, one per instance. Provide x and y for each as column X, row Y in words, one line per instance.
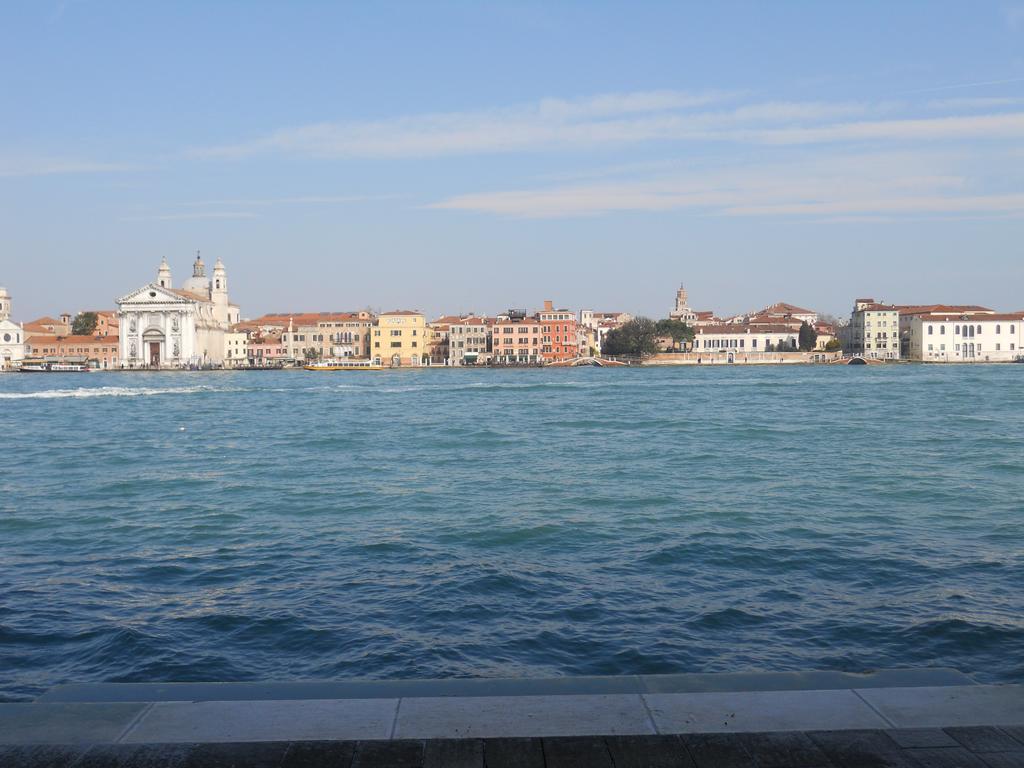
column 197, row 325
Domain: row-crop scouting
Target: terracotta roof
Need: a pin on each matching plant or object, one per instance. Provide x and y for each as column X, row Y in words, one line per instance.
column 403, row 312
column 102, row 341
column 187, row 294
column 281, row 320
column 959, row 316
column 473, row 321
column 879, row 307
column 918, row 309
column 741, row 329
column 787, row 309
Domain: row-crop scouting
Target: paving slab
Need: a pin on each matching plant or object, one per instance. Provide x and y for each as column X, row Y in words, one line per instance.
column 233, row 721
column 946, row 757
column 949, row 705
column 513, row 753
column 551, row 686
column 238, row 755
column 760, row 711
column 984, row 738
column 454, row 753
column 811, row 680
column 649, row 752
column 388, row 754
column 921, row 738
column 783, row 750
column 577, row 752
column 717, row 750
column 65, row 723
column 1004, row 759
column 861, row 749
column 40, row 755
column 612, row 714
column 136, row 756
column 319, row 754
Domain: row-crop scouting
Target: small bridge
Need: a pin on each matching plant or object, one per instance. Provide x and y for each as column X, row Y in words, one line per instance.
column 600, row 362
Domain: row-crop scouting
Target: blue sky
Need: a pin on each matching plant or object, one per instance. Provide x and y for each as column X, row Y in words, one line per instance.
column 475, row 156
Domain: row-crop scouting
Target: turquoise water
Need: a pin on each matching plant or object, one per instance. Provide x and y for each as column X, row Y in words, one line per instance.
column 293, row 525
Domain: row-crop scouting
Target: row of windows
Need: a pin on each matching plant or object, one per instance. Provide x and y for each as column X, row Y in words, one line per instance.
column 394, row 344
column 968, row 330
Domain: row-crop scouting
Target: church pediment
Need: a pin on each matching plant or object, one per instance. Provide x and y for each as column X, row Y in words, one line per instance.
column 152, row 294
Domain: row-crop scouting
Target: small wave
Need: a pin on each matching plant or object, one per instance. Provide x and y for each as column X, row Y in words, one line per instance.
column 58, row 394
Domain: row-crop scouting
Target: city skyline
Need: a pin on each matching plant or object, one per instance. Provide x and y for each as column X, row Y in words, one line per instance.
column 498, row 156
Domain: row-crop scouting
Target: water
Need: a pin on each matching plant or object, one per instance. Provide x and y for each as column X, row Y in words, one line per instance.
column 293, row 525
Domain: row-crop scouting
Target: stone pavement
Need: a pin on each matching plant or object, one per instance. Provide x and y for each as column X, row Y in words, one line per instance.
column 893, row 718
column 960, row 747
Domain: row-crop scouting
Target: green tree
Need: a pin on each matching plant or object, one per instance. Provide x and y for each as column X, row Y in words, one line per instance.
column 312, row 353
column 677, row 329
column 84, row 324
column 808, row 337
column 639, row 337
column 833, row 345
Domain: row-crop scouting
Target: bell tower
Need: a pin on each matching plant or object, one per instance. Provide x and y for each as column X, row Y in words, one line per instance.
column 5, row 305
column 163, row 275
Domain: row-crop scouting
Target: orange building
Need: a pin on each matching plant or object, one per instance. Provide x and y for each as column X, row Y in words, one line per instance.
column 99, row 352
column 559, row 337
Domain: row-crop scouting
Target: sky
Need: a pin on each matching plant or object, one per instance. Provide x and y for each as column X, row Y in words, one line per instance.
column 472, row 156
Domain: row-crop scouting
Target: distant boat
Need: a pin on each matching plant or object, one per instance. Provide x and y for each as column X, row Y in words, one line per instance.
column 44, row 366
column 344, row 365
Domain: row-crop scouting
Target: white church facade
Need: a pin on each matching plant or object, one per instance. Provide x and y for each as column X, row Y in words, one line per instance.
column 166, row 327
column 12, row 336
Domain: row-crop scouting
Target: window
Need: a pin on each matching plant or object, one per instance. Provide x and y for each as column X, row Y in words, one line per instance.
column 942, row 330
column 998, row 328
column 396, row 344
column 929, row 330
column 957, row 330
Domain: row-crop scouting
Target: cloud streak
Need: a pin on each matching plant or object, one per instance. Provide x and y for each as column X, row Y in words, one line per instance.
column 11, row 167
column 850, row 185
column 623, row 119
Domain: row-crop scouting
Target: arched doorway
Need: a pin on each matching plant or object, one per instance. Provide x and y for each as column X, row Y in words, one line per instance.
column 152, row 347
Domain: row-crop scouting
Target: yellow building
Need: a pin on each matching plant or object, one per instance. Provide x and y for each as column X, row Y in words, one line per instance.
column 401, row 339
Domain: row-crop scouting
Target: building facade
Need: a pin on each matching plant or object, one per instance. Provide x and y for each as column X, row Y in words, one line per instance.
column 745, row 339
column 516, row 339
column 12, row 336
column 165, row 327
column 965, row 338
column 469, row 341
column 400, row 339
column 559, row 339
column 100, row 352
column 873, row 331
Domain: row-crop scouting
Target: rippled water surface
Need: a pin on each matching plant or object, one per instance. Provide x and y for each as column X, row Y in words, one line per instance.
column 293, row 525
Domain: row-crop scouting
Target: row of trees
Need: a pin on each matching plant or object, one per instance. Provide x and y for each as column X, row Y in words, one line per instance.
column 640, row 337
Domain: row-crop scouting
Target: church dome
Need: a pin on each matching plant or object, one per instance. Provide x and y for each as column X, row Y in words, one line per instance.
column 198, row 283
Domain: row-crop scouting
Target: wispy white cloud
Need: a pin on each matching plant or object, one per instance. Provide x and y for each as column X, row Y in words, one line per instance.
column 841, row 185
column 622, row 119
column 309, row 199
column 192, row 216
column 51, row 166
column 980, row 102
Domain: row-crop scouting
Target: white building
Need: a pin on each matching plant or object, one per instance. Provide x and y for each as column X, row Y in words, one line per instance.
column 236, row 349
column 966, row 338
column 12, row 336
column 732, row 338
column 873, row 331
column 468, row 341
column 165, row 327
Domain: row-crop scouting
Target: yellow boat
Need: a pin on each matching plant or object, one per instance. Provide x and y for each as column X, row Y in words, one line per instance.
column 344, row 365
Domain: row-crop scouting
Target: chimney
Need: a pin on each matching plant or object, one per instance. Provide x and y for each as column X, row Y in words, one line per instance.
column 548, row 305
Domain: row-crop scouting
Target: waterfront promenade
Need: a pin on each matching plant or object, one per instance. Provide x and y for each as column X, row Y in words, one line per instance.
column 930, row 717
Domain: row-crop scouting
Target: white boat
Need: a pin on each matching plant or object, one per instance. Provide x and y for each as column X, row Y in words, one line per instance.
column 344, row 365
column 46, row 366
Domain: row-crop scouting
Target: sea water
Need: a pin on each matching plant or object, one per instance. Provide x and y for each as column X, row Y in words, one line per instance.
column 437, row 523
